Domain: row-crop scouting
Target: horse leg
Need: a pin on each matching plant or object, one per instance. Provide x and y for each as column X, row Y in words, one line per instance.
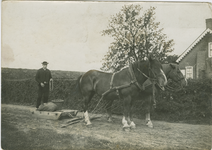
column 148, row 120
column 126, row 103
column 109, row 112
column 87, row 100
column 132, row 124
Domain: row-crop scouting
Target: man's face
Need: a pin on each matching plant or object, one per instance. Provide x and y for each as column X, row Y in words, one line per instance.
column 44, row 66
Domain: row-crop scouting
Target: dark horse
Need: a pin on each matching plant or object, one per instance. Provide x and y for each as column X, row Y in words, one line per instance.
column 172, row 72
column 125, row 84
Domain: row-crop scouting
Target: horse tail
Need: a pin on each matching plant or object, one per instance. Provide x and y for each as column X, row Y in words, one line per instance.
column 78, row 84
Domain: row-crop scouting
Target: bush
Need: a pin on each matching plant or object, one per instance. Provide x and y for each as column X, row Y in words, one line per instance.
column 192, row 103
column 25, row 92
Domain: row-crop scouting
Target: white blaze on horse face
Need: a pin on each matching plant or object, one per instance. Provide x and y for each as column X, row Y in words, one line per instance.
column 186, row 81
column 165, row 82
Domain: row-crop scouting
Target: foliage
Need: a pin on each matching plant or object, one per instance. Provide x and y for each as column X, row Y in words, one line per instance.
column 23, row 74
column 192, row 103
column 170, row 59
column 25, row 92
column 135, row 37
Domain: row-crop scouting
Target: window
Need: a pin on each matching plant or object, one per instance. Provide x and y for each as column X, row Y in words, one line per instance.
column 189, row 72
column 210, row 49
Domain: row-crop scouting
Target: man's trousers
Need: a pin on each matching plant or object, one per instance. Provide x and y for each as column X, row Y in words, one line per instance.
column 43, row 93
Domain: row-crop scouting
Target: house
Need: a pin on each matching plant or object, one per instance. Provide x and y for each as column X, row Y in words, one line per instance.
column 196, row 61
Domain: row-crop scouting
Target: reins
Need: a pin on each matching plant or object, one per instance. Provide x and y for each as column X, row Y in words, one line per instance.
column 143, row 73
column 171, row 88
column 153, row 80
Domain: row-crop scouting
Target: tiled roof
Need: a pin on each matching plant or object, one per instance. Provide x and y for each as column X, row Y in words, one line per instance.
column 193, row 44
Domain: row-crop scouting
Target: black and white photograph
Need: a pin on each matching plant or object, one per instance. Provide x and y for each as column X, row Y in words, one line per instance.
column 120, row 75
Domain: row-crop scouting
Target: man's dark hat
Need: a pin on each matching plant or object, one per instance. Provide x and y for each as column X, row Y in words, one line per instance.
column 44, row 63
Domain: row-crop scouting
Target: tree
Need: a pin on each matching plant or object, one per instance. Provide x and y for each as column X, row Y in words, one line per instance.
column 135, row 37
column 170, row 59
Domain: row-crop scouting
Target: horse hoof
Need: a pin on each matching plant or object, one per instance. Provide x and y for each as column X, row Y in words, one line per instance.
column 126, row 129
column 149, row 124
column 132, row 125
column 88, row 124
column 110, row 120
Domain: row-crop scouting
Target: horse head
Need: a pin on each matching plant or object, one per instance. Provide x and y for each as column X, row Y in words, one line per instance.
column 176, row 75
column 156, row 72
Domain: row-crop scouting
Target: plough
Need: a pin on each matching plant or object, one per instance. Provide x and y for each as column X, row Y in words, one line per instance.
column 53, row 115
column 76, row 120
column 57, row 115
column 71, row 121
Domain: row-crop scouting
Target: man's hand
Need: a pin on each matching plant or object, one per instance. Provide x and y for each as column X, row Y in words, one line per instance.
column 51, row 79
column 42, row 84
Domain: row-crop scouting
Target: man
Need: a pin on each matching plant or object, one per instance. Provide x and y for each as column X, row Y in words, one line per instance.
column 43, row 77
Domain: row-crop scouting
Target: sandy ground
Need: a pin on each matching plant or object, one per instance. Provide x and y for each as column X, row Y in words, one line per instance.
column 25, row 131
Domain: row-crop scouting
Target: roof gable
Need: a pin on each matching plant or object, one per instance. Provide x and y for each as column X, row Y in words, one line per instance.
column 193, row 44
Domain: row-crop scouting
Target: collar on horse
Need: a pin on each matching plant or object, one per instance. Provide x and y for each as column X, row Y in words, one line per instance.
column 148, row 82
column 134, row 80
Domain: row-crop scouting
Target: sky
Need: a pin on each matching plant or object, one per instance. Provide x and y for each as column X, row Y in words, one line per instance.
column 67, row 34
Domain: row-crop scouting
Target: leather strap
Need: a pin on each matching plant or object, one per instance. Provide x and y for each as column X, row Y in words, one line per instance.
column 111, row 82
column 134, row 80
column 153, row 94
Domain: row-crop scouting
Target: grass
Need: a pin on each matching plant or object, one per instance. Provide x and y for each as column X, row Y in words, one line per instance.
column 47, row 139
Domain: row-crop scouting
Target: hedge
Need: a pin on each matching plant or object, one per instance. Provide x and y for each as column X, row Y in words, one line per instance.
column 191, row 104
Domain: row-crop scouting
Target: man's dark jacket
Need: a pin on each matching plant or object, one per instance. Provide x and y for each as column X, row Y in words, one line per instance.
column 43, row 76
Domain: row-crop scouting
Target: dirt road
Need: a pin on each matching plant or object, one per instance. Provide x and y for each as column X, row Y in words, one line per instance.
column 21, row 130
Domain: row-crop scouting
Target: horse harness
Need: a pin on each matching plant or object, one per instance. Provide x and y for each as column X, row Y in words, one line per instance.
column 170, row 88
column 148, row 82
